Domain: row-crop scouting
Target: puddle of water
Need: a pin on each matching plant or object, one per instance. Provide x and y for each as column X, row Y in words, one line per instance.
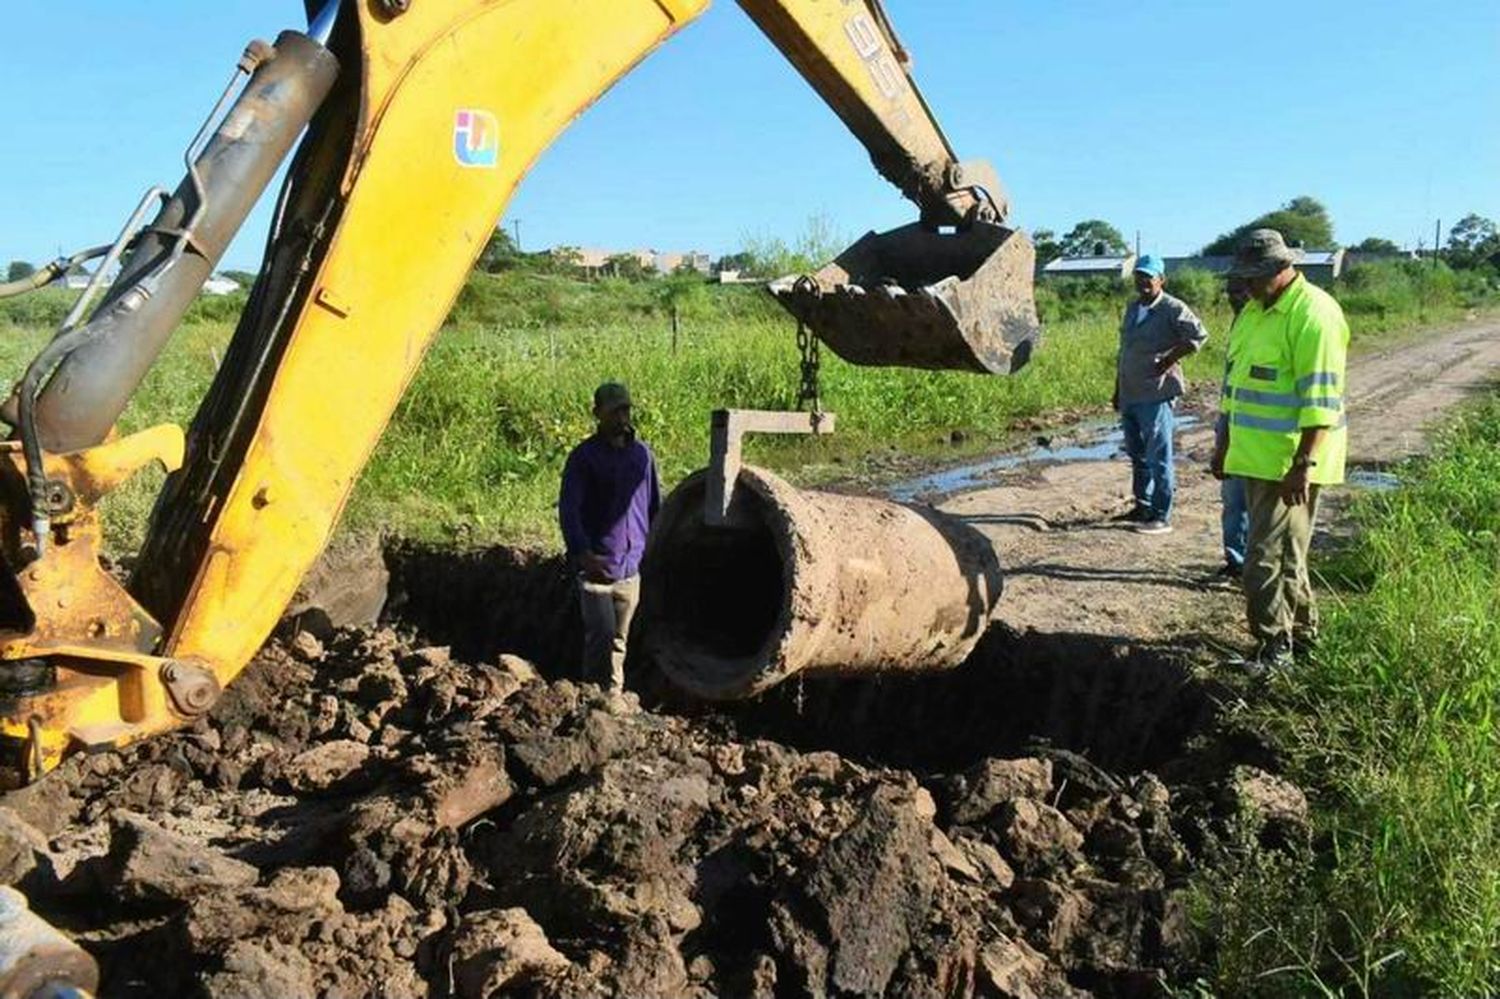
column 1099, row 444
column 1380, row 482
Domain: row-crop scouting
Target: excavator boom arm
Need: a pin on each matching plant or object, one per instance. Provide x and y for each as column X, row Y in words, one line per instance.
column 849, row 53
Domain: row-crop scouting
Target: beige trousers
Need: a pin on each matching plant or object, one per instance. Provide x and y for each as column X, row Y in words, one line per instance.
column 1278, row 589
column 607, row 611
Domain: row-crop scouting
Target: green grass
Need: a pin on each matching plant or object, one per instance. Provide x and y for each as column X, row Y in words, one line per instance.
column 475, row 448
column 1393, row 730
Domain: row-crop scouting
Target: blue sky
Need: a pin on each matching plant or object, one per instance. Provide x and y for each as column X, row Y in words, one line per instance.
column 1178, row 119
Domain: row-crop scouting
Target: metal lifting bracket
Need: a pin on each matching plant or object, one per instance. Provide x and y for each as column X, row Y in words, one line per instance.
column 727, row 427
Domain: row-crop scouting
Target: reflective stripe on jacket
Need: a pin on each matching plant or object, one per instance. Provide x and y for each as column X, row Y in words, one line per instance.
column 1286, row 373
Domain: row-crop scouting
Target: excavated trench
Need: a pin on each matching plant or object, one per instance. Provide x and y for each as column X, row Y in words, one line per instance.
column 428, row 807
column 1125, row 706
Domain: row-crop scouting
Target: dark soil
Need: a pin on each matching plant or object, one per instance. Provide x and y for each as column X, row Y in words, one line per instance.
column 364, row 814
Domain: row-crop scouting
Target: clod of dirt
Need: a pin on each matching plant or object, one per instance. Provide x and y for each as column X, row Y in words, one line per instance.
column 1009, row 969
column 47, row 805
column 306, row 646
column 973, row 795
column 293, row 937
column 323, row 766
column 22, row 848
column 866, row 898
column 1272, row 806
column 1036, row 837
column 147, row 863
column 501, row 948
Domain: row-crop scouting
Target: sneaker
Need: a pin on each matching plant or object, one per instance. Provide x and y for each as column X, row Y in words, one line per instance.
column 1231, row 570
column 1135, row 515
column 1267, row 658
column 1154, row 527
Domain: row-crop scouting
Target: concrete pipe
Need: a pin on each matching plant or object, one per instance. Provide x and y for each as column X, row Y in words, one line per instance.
column 38, row 960
column 811, row 583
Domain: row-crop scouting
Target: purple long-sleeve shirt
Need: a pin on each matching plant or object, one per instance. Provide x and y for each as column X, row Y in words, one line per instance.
column 609, row 497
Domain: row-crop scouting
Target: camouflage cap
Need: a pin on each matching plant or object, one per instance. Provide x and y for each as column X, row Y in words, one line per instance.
column 1260, row 254
column 611, row 396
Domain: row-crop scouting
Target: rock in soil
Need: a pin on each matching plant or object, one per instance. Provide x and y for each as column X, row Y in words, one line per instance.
column 364, row 815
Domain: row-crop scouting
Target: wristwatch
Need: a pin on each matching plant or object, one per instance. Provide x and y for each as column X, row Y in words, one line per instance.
column 1303, row 462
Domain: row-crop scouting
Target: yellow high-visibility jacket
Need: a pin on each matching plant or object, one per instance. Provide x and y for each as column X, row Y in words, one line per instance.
column 1286, row 373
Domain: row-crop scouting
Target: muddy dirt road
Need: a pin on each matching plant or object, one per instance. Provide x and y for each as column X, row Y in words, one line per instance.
column 1068, row 569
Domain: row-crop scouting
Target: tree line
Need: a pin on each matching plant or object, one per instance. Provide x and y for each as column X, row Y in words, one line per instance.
column 1473, row 241
column 1304, row 221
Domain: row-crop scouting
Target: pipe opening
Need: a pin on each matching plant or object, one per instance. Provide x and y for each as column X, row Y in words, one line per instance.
column 718, row 594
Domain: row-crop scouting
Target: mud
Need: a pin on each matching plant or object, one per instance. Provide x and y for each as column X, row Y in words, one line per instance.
column 366, row 815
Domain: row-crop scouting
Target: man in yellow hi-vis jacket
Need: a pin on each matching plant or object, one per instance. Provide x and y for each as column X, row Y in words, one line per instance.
column 1287, row 435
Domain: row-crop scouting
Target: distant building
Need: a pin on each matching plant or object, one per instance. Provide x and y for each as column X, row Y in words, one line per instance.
column 1321, row 267
column 217, row 284
column 727, row 275
column 668, row 263
column 1213, row 265
column 597, row 261
column 1353, row 258
column 1071, row 267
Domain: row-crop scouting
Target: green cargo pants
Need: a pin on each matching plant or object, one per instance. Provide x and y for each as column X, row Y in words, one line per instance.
column 1278, row 590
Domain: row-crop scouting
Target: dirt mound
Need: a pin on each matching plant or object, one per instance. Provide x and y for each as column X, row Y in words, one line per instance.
column 362, row 817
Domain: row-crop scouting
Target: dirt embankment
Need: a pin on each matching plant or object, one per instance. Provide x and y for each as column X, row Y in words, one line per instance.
column 364, row 816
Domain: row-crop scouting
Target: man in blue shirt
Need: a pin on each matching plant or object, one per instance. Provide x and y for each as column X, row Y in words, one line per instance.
column 610, row 494
column 1156, row 333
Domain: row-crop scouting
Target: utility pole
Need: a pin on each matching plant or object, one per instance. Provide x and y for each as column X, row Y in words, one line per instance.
column 516, row 224
column 1138, row 243
column 1437, row 241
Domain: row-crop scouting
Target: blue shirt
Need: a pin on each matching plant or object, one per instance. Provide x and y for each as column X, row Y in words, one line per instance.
column 609, row 497
column 1146, row 334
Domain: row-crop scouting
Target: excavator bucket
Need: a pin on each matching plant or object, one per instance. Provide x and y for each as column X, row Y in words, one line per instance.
column 916, row 297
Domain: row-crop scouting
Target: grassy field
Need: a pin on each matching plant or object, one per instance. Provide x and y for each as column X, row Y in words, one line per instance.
column 1392, row 728
column 474, row 450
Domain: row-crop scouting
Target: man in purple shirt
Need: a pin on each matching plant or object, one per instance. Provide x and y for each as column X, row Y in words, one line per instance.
column 610, row 495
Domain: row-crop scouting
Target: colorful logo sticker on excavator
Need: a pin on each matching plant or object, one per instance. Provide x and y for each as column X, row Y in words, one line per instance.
column 476, row 138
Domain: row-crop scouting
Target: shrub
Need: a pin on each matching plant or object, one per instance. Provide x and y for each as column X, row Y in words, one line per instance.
column 1199, row 288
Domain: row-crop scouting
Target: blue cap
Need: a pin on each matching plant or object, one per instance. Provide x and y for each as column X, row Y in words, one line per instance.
column 1151, row 264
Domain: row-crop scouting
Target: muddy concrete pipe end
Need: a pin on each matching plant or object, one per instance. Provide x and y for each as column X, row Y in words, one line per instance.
column 808, row 582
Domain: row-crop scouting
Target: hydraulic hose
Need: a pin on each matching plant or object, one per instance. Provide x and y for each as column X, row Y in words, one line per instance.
column 50, row 272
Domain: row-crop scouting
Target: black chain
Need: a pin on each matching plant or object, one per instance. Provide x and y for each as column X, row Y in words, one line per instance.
column 808, row 393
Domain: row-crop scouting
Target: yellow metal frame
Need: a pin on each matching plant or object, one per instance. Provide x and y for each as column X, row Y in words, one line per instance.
column 94, row 634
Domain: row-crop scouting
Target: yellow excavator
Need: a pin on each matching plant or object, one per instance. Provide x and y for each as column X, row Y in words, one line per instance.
column 409, row 124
